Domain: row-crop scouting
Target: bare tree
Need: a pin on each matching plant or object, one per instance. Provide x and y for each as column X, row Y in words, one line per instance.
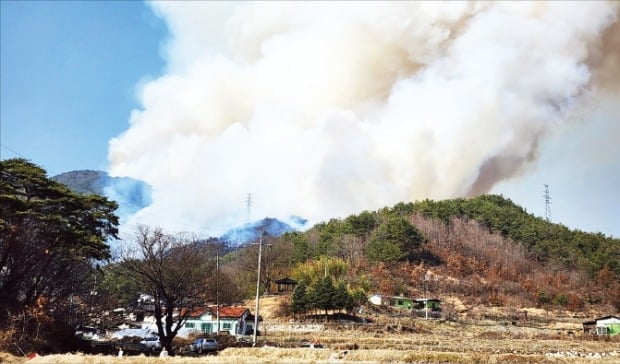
column 172, row 270
column 276, row 259
column 352, row 249
column 277, row 255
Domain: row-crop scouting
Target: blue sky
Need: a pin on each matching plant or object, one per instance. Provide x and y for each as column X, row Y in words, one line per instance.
column 69, row 74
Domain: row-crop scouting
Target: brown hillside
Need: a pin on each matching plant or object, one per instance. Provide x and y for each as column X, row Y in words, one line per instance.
column 475, row 268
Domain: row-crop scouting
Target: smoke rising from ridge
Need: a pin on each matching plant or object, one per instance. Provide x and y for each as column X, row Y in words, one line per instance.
column 325, row 109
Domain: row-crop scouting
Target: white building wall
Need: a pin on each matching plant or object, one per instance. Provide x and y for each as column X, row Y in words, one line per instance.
column 612, row 320
column 375, row 299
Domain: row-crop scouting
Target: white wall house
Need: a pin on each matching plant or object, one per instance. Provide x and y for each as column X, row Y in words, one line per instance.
column 395, row 301
column 607, row 325
column 235, row 320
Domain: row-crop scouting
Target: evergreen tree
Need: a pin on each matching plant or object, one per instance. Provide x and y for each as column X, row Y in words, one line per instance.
column 342, row 298
column 329, row 237
column 323, row 293
column 301, row 246
column 393, row 240
column 300, row 300
column 48, row 235
column 361, row 225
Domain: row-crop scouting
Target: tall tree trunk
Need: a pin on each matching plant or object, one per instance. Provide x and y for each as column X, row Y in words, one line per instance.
column 169, row 334
column 160, row 326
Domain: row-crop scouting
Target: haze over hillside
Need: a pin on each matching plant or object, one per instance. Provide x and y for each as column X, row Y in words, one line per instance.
column 130, row 194
column 133, row 195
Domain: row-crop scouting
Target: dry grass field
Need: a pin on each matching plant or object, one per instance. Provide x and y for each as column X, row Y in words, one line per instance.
column 422, row 342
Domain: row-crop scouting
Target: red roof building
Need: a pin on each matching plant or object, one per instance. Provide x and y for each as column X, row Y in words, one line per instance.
column 236, row 320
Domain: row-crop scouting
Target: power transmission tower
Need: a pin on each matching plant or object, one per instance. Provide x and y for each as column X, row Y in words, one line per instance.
column 547, row 197
column 248, row 205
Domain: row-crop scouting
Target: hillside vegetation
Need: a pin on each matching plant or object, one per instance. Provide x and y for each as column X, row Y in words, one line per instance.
column 485, row 250
column 546, row 241
column 83, row 181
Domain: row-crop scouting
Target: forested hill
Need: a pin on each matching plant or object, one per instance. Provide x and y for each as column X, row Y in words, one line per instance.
column 547, row 241
column 130, row 194
column 387, row 237
column 83, row 181
column 483, row 250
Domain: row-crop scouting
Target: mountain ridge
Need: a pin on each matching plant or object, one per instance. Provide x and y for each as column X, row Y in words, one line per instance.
column 130, row 194
column 133, row 195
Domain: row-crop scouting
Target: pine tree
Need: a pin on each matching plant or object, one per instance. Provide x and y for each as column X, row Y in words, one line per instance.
column 48, row 235
column 393, row 240
column 300, row 300
column 342, row 298
column 323, row 294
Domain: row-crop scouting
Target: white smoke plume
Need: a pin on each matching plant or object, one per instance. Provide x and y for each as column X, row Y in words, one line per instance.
column 323, row 109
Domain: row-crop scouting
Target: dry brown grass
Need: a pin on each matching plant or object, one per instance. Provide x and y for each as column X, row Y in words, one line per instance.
column 8, row 358
column 430, row 342
column 269, row 306
column 300, row 355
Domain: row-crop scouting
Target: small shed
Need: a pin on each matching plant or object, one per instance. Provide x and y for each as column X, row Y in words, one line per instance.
column 286, row 284
column 393, row 301
column 606, row 325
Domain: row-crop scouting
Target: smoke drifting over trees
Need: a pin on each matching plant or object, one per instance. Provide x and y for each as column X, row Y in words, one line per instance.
column 325, row 109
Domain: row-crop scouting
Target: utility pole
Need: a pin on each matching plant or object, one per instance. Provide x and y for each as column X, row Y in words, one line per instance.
column 260, row 250
column 217, row 285
column 425, row 300
column 426, row 279
column 260, row 253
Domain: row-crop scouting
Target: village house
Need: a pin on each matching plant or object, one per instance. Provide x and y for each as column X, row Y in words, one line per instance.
column 432, row 304
column 392, row 301
column 235, row 320
column 606, row 325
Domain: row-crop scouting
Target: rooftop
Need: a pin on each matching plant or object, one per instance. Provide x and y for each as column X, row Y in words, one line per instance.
column 225, row 311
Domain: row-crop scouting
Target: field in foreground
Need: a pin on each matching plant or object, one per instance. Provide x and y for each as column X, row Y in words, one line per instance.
column 424, row 342
column 299, row 355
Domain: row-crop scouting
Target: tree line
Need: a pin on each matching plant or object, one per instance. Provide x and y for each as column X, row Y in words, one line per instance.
column 321, row 295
